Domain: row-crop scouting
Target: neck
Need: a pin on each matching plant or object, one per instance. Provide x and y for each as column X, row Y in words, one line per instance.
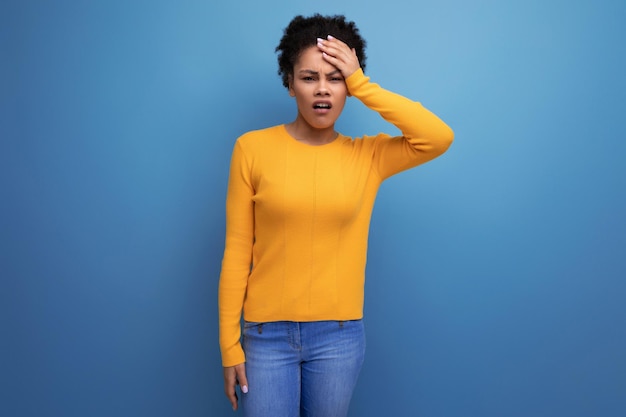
column 305, row 133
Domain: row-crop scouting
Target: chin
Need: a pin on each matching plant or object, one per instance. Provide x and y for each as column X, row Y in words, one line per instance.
column 322, row 125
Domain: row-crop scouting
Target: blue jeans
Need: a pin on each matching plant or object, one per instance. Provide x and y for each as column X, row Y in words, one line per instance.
column 306, row 369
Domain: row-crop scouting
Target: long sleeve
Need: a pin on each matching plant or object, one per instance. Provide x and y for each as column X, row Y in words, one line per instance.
column 424, row 135
column 237, row 257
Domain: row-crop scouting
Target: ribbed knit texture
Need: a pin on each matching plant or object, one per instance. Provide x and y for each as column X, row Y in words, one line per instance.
column 297, row 216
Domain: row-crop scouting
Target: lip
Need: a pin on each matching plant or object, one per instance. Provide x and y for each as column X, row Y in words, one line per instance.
column 322, row 110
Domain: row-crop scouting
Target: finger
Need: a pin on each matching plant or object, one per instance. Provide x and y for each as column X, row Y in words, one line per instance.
column 242, row 377
column 333, row 46
column 334, row 56
column 347, row 65
column 340, row 55
column 339, row 50
column 232, row 397
column 230, row 381
column 340, row 46
column 334, row 41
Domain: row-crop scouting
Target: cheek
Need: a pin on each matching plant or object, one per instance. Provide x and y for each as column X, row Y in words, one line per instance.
column 341, row 95
column 341, row 90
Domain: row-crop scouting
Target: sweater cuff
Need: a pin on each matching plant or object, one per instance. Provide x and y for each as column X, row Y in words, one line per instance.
column 356, row 80
column 233, row 356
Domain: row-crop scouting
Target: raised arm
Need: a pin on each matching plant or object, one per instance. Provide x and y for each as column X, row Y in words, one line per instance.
column 424, row 135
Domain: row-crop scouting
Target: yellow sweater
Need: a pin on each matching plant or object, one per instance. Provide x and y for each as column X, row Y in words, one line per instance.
column 297, row 216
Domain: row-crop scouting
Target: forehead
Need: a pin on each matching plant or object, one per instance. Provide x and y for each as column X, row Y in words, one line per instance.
column 311, row 58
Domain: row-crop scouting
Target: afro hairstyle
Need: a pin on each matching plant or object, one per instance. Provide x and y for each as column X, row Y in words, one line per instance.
column 302, row 33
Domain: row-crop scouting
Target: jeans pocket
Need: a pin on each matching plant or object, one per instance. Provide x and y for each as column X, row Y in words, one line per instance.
column 249, row 326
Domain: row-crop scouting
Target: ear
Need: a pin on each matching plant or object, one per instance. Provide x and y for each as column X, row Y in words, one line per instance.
column 292, row 92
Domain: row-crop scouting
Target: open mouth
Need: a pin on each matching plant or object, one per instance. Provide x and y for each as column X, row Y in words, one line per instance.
column 322, row 105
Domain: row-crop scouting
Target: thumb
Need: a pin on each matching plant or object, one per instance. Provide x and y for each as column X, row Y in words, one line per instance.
column 240, row 370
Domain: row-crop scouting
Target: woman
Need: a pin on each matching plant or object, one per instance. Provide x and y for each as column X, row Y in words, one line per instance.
column 299, row 202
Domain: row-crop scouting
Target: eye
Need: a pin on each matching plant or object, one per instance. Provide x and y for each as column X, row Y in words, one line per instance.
column 336, row 79
column 307, row 78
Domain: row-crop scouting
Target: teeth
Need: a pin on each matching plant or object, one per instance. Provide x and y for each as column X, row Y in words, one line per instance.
column 323, row 106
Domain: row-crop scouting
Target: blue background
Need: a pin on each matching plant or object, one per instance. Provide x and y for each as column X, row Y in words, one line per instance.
column 495, row 274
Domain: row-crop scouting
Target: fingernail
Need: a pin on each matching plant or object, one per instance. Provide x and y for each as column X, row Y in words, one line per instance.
column 330, row 37
column 244, row 389
column 320, row 40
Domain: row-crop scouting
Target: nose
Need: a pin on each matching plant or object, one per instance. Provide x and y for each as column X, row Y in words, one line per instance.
column 322, row 88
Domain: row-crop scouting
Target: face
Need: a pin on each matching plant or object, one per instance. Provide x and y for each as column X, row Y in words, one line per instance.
column 319, row 88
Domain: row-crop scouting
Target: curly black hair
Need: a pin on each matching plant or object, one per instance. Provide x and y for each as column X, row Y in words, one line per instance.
column 302, row 33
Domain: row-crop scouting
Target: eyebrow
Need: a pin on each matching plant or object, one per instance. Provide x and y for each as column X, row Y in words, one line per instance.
column 308, row 71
